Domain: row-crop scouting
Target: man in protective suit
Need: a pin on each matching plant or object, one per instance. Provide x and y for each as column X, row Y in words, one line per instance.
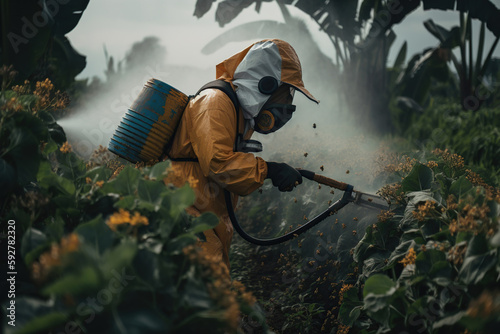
column 264, row 77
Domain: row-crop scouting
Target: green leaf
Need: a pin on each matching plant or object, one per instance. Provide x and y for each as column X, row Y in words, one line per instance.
column 399, row 253
column 177, row 244
column 179, row 200
column 101, row 173
column 150, row 191
column 67, row 60
column 411, row 235
column 448, row 38
column 147, row 206
column 439, row 4
column 375, row 263
column 401, row 57
column 367, row 6
column 69, row 15
column 34, row 242
column 378, row 284
column 22, row 153
column 55, row 227
column 204, row 222
column 146, row 265
column 495, row 241
column 50, row 147
column 183, row 197
column 43, row 323
column 351, row 307
column 460, row 188
column 420, row 178
column 57, row 135
column 409, row 222
column 194, row 291
column 126, row 182
column 48, row 179
column 157, row 172
column 441, row 270
column 142, row 320
column 127, row 202
column 475, row 268
column 70, row 166
column 378, row 306
column 96, row 233
column 8, row 178
column 74, row 283
column 427, row 259
column 477, row 245
column 119, row 257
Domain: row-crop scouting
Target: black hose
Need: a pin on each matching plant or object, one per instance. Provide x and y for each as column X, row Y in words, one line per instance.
column 339, row 204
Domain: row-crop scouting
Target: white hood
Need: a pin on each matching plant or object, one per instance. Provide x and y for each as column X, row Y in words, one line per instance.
column 263, row 59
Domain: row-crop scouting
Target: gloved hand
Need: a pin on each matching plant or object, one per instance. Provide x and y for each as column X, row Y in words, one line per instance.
column 284, row 176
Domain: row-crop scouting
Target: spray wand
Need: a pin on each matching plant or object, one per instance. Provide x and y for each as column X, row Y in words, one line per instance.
column 350, row 196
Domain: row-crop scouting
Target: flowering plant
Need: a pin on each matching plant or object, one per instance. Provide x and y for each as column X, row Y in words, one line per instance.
column 103, row 246
column 433, row 265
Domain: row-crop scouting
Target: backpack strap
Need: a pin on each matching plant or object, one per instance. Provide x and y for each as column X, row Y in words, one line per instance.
column 226, row 88
column 229, row 91
column 240, row 145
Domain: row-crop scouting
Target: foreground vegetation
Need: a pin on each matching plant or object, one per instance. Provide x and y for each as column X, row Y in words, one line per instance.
column 99, row 246
column 429, row 265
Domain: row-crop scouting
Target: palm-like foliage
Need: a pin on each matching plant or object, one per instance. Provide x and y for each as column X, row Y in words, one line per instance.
column 361, row 34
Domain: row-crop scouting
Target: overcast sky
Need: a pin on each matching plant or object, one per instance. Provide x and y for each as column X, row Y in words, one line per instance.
column 117, row 24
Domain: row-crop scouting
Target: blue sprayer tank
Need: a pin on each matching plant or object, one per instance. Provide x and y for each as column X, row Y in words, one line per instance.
column 150, row 123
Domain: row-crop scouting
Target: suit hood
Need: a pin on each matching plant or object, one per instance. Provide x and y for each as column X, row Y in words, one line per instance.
column 270, row 57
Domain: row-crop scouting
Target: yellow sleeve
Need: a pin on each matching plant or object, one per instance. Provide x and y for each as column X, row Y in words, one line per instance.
column 212, row 132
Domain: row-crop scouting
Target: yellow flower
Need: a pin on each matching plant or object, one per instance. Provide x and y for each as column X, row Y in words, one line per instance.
column 409, row 258
column 345, row 287
column 118, row 218
column 424, row 210
column 432, row 164
column 70, row 243
column 343, row 329
column 123, row 217
column 137, row 219
column 193, row 182
column 99, row 184
column 66, row 148
column 485, row 306
column 174, row 176
column 53, row 257
column 88, row 180
column 384, row 215
column 454, row 160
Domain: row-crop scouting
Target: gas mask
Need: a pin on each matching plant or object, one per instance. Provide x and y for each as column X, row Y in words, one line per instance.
column 273, row 117
column 278, row 110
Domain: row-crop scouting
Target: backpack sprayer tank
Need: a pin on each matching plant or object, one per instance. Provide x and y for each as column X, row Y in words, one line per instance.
column 150, row 123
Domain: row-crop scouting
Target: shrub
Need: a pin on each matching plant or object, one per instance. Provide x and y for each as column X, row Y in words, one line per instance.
column 431, row 265
column 101, row 246
column 474, row 135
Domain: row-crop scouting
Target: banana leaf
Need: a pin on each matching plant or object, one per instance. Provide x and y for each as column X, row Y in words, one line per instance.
column 68, row 16
column 448, row 38
column 243, row 32
column 32, row 31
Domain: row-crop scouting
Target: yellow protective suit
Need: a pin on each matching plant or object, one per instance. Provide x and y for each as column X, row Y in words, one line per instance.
column 207, row 131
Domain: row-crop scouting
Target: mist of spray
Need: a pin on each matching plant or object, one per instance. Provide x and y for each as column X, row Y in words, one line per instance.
column 99, row 112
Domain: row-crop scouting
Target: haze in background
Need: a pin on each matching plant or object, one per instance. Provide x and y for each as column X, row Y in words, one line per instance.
column 119, row 23
column 168, row 42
